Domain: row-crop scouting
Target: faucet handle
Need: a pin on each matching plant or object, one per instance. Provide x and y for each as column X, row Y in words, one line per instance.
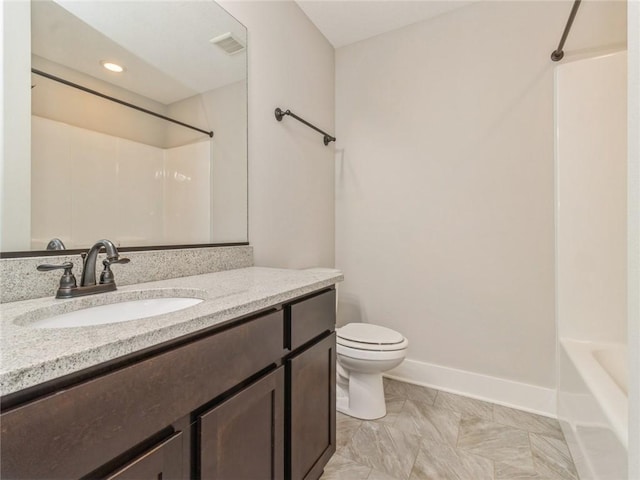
column 67, row 281
column 119, row 260
column 45, row 267
column 107, row 275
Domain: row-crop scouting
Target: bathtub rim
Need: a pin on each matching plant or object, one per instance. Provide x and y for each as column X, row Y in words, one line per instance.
column 609, row 395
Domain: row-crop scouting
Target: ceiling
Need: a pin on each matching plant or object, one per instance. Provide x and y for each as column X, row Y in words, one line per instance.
column 172, row 60
column 109, row 30
column 346, row 22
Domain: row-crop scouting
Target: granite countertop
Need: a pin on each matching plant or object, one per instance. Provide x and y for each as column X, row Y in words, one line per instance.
column 31, row 355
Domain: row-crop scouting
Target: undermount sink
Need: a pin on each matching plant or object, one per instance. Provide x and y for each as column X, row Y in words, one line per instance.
column 116, row 312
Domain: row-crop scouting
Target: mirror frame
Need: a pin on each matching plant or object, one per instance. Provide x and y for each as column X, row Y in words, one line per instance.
column 78, row 251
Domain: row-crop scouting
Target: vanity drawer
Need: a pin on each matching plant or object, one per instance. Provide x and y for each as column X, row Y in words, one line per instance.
column 164, row 461
column 72, row 432
column 311, row 317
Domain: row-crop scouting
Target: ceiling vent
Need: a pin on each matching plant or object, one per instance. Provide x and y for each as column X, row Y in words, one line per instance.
column 229, row 43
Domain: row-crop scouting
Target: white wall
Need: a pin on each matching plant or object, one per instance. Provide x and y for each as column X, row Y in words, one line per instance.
column 291, row 201
column 444, row 184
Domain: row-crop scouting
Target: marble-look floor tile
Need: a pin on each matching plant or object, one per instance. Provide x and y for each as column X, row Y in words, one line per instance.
column 527, row 421
column 383, row 448
column 438, row 461
column 435, row 435
column 346, row 426
column 464, row 405
column 376, row 475
column 421, row 394
column 394, row 407
column 552, row 458
column 497, row 442
column 507, row 471
column 341, row 468
column 394, row 388
column 430, row 422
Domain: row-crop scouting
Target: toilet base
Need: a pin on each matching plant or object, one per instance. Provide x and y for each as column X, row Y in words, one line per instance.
column 362, row 397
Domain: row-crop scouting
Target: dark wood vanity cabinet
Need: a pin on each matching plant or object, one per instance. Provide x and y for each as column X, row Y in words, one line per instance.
column 243, row 438
column 312, row 409
column 253, row 399
column 311, row 381
column 163, row 461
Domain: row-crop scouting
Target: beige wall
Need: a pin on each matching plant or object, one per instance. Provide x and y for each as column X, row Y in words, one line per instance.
column 291, row 205
column 444, row 184
column 633, row 232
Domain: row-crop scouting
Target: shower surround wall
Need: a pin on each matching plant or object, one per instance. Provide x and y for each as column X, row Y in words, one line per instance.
column 142, row 195
column 591, row 263
column 444, row 191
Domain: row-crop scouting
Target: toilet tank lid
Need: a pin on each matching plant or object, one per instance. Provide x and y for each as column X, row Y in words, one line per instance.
column 367, row 333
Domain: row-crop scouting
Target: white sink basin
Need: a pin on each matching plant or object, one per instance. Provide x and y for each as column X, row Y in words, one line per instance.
column 116, row 312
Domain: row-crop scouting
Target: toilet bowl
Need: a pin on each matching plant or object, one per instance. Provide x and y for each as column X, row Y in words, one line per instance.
column 364, row 351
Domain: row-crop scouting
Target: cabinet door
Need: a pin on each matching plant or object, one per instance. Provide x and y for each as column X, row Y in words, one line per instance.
column 243, row 437
column 163, row 462
column 312, row 406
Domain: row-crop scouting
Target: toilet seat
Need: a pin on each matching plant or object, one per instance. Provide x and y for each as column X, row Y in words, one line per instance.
column 372, row 355
column 364, row 336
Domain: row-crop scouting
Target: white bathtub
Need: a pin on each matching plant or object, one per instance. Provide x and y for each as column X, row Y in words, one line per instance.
column 593, row 407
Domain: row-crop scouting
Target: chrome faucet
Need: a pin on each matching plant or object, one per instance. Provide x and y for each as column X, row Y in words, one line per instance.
column 68, row 287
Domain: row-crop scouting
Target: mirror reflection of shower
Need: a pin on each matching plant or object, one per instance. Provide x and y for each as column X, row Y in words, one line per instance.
column 86, row 147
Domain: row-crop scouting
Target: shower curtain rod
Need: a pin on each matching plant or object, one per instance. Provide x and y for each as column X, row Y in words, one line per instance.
column 113, row 99
column 558, row 53
column 279, row 114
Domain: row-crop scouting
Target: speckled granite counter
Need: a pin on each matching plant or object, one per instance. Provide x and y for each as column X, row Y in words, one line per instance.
column 31, row 355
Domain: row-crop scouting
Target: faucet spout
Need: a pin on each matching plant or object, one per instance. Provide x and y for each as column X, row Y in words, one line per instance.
column 89, row 268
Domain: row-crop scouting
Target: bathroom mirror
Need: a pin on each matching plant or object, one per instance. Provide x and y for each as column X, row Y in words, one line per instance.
column 128, row 155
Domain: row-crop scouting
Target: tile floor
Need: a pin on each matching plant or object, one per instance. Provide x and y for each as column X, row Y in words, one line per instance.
column 428, row 434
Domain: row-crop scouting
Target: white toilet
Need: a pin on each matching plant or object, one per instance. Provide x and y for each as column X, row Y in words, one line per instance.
column 364, row 351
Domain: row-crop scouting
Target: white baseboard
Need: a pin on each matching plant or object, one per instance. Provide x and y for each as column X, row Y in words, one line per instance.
column 522, row 396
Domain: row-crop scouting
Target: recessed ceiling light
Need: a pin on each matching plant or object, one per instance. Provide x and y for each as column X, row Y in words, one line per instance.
column 112, row 67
